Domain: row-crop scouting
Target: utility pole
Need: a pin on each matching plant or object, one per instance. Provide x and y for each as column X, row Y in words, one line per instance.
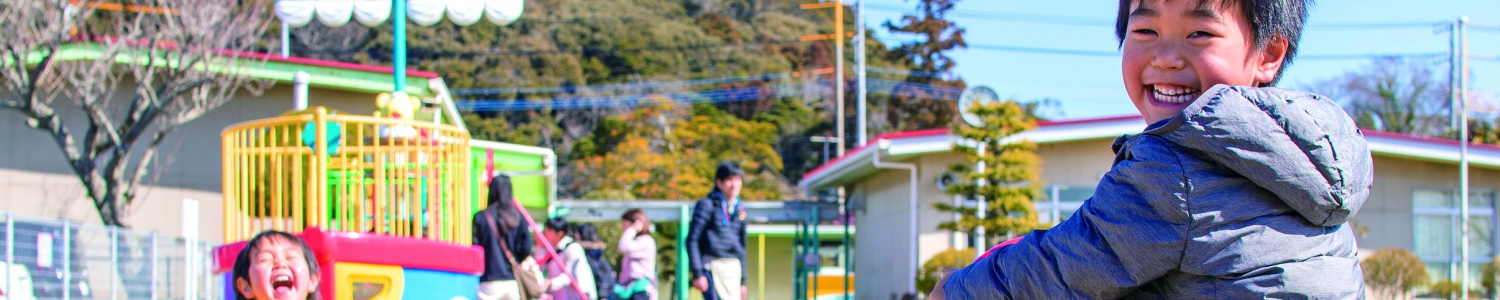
column 838, row 62
column 859, row 58
column 1463, row 154
column 838, row 95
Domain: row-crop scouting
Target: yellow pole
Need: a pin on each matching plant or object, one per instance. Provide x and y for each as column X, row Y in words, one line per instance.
column 320, row 158
column 229, row 190
column 760, row 268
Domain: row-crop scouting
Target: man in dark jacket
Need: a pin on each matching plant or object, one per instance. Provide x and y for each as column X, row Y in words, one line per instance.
column 716, row 238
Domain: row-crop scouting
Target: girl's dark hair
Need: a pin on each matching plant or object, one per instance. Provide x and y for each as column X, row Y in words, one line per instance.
column 586, row 232
column 1270, row 19
column 501, row 203
column 636, row 215
column 242, row 261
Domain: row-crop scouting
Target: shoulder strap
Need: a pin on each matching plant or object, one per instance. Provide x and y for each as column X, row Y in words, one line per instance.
column 563, row 247
column 504, row 247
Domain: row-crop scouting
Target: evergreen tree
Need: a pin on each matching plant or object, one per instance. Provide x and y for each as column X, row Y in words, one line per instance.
column 917, row 106
column 1011, row 172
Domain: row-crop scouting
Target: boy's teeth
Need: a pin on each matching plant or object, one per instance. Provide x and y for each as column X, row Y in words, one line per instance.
column 1173, row 91
column 1172, row 94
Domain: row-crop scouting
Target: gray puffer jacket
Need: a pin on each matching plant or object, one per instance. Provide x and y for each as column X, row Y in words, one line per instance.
column 1242, row 196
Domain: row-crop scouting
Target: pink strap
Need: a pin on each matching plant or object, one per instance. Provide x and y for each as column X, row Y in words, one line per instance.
column 489, row 165
column 997, row 247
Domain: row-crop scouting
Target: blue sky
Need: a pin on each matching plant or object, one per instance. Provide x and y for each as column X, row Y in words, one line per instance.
column 1090, row 86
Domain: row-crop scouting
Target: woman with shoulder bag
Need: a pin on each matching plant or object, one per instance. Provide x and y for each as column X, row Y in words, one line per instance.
column 506, row 240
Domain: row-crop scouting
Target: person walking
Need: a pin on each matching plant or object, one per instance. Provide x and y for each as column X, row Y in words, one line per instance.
column 716, row 237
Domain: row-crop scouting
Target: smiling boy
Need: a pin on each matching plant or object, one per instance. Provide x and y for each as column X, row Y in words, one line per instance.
column 1235, row 190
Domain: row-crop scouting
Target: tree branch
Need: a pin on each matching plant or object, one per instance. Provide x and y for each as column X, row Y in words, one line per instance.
column 143, row 167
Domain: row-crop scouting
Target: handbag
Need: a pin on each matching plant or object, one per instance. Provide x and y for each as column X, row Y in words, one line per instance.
column 528, row 282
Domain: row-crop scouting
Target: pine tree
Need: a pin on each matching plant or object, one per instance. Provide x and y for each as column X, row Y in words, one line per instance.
column 915, row 106
column 1011, row 172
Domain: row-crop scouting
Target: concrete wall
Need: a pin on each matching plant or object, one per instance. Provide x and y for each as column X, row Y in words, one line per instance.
column 35, row 179
column 884, row 235
column 1077, row 163
column 881, row 263
column 1388, row 212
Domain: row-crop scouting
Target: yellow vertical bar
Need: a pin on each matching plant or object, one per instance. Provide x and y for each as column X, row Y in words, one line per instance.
column 381, row 157
column 247, row 202
column 225, row 180
column 409, row 188
column 298, row 181
column 242, row 167
column 320, row 157
column 362, row 206
column 280, row 161
column 294, row 199
column 413, row 188
column 274, row 188
column 403, row 187
column 760, row 267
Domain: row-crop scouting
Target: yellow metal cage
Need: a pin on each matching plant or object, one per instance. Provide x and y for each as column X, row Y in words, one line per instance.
column 347, row 173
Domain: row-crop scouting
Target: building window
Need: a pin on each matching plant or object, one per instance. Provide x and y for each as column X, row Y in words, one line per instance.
column 1435, row 231
column 1061, row 202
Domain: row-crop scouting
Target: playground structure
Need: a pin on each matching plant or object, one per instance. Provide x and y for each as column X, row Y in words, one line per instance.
column 385, row 201
column 396, row 190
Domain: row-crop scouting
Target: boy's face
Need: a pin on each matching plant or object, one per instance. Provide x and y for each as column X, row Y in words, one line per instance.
column 278, row 270
column 553, row 236
column 1176, row 50
column 730, row 186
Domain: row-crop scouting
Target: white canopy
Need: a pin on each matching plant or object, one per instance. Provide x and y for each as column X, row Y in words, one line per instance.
column 335, row 13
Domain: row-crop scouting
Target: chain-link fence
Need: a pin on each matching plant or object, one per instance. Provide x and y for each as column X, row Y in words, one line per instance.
column 56, row 259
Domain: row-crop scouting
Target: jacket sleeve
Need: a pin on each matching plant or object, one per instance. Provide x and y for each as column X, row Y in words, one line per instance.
column 1132, row 231
column 701, row 215
column 559, row 281
column 631, row 246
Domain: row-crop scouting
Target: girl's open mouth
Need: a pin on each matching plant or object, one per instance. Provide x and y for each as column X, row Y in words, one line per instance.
column 282, row 284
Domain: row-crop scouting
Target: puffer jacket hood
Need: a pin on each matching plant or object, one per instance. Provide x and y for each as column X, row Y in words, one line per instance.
column 1310, row 154
column 1244, row 195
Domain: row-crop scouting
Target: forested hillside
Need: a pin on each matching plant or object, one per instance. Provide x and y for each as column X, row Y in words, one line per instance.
column 640, row 98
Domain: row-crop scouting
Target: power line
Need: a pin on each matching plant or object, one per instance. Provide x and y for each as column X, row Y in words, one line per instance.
column 620, row 86
column 877, row 86
column 1116, row 54
column 1003, row 16
column 1042, row 50
column 1090, row 21
column 592, row 50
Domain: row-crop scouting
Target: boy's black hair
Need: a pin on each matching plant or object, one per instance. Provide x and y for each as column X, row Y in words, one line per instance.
column 242, row 261
column 557, row 224
column 728, row 169
column 1270, row 19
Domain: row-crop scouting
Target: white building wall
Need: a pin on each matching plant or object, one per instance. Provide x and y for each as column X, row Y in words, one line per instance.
column 35, row 179
column 882, row 252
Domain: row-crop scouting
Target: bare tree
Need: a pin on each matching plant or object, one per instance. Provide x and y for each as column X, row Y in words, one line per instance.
column 1393, row 94
column 183, row 57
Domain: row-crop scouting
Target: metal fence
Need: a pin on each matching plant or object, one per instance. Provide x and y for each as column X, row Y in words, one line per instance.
column 57, row 259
